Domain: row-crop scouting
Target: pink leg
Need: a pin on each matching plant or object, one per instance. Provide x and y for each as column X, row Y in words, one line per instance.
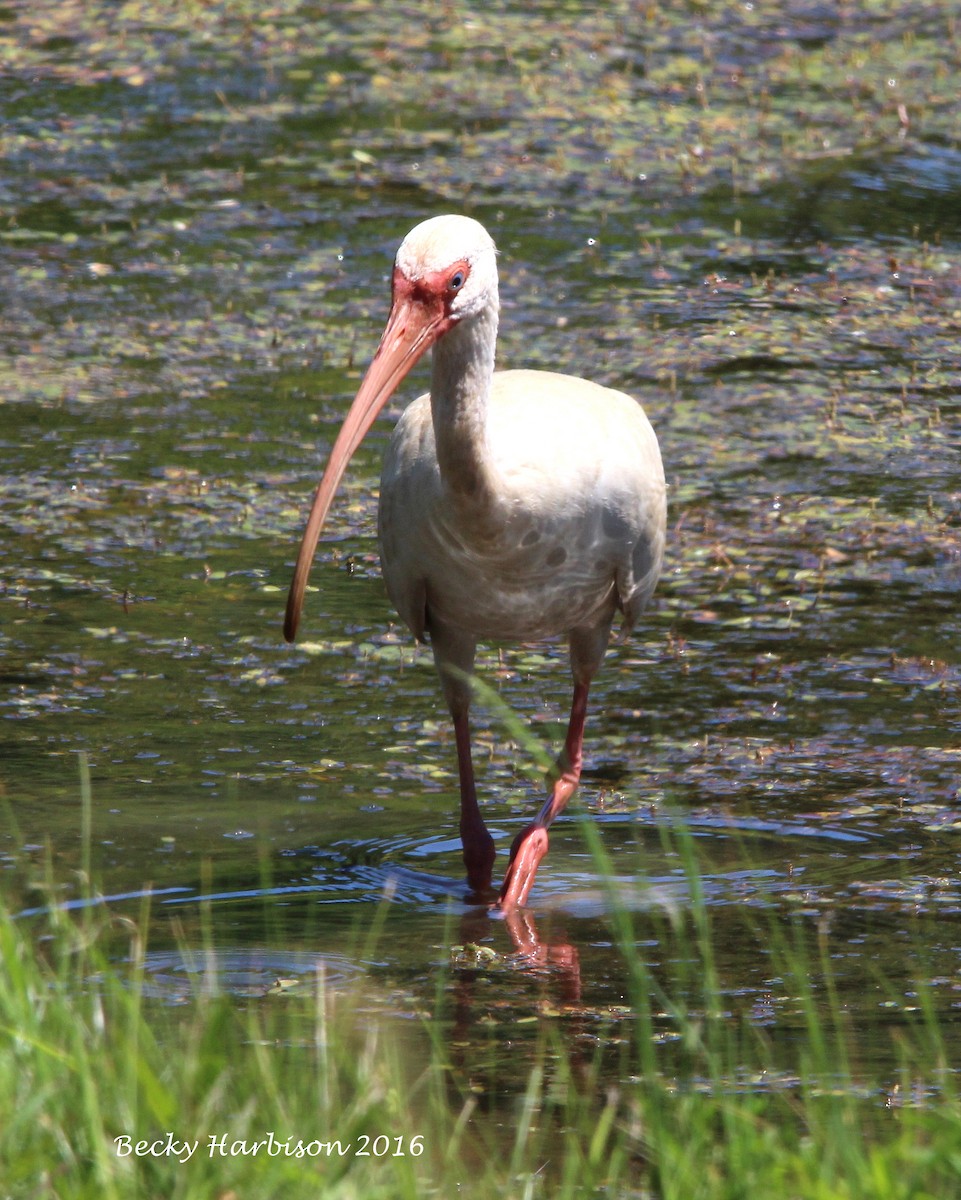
column 531, row 843
column 479, row 851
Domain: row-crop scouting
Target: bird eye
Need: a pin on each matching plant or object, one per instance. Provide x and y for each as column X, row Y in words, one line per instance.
column 456, row 281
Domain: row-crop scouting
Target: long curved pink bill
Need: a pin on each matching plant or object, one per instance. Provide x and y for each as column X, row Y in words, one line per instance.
column 412, row 328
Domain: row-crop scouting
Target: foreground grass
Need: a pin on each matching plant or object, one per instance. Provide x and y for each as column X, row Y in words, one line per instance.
column 91, row 1065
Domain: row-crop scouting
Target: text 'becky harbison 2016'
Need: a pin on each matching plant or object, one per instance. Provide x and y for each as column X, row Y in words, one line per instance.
column 223, row 1146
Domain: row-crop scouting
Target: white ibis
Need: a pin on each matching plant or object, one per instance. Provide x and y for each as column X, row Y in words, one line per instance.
column 514, row 505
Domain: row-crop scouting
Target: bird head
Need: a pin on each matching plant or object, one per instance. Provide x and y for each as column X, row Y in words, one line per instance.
column 448, row 265
column 445, row 274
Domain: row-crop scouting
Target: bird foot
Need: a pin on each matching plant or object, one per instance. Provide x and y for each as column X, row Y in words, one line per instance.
column 528, row 848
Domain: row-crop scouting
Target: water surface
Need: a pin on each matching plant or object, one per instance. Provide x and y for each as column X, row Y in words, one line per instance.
column 198, row 226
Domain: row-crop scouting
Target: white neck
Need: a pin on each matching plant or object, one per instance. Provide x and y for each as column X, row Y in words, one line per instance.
column 461, row 374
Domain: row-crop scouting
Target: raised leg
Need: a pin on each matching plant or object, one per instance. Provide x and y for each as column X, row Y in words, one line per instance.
column 531, row 844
